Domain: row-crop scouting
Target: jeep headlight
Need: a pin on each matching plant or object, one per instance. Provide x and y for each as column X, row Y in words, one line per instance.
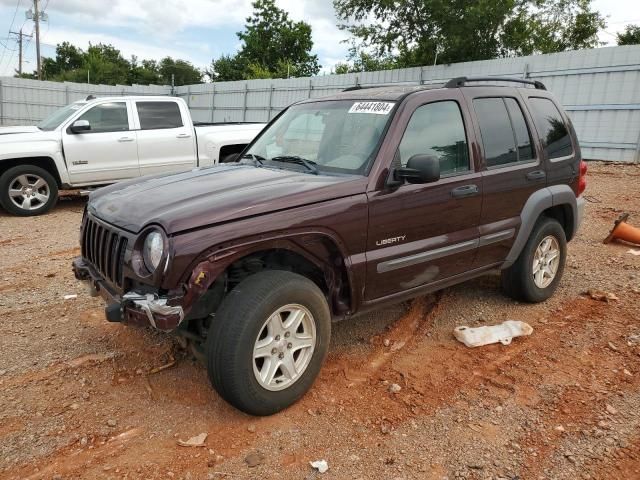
column 153, row 250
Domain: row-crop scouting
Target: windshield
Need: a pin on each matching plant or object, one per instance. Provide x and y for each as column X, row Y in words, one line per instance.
column 332, row 136
column 56, row 118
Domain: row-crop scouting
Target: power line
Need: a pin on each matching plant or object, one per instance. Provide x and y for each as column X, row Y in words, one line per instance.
column 15, row 12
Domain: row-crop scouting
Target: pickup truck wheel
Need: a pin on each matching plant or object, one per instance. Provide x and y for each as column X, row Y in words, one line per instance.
column 27, row 190
column 536, row 273
column 267, row 341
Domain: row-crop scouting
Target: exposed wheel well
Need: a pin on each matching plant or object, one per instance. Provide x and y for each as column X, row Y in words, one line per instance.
column 43, row 162
column 231, row 149
column 564, row 215
column 275, row 260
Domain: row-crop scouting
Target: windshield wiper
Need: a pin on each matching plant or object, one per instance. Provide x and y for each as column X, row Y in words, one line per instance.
column 309, row 164
column 258, row 160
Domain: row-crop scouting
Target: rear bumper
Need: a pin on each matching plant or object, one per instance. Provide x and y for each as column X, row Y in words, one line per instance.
column 132, row 308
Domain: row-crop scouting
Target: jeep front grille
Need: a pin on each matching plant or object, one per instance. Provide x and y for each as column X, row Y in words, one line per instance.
column 104, row 249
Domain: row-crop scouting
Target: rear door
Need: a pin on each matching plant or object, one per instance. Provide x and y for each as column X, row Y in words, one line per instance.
column 166, row 141
column 512, row 168
column 420, row 234
column 108, row 151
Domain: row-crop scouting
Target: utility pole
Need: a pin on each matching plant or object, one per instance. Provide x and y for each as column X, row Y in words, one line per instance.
column 20, row 36
column 36, row 18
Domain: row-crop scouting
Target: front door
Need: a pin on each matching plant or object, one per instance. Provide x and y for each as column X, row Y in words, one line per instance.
column 105, row 153
column 420, row 234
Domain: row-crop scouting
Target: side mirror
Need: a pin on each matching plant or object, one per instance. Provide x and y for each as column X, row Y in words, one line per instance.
column 420, row 169
column 80, row 126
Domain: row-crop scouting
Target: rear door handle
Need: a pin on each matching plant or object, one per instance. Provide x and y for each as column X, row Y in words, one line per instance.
column 125, row 139
column 536, row 175
column 183, row 135
column 465, row 191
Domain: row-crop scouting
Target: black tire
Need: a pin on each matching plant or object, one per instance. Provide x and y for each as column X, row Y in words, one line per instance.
column 237, row 326
column 517, row 280
column 9, row 179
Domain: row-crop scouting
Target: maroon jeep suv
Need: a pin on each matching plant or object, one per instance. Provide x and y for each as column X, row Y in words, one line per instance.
column 341, row 205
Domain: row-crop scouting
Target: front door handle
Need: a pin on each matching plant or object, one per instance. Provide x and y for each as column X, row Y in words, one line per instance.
column 125, row 139
column 183, row 135
column 465, row 191
column 536, row 175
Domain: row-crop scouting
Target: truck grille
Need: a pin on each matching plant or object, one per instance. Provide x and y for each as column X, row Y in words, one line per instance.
column 104, row 248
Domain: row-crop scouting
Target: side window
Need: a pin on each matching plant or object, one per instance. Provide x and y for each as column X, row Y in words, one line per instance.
column 497, row 135
column 107, row 117
column 437, row 129
column 156, row 115
column 523, row 136
column 553, row 131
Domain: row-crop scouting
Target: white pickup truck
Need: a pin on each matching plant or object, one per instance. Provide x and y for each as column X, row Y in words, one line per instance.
column 100, row 141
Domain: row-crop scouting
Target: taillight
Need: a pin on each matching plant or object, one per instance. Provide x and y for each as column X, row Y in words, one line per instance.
column 582, row 180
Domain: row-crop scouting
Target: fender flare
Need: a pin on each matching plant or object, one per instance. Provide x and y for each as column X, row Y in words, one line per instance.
column 536, row 204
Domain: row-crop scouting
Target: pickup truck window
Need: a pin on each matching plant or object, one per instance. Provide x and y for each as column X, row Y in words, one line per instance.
column 553, row 131
column 157, row 115
column 437, row 129
column 338, row 136
column 505, row 136
column 54, row 120
column 107, row 117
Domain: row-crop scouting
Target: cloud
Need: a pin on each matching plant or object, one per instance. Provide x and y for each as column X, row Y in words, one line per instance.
column 143, row 27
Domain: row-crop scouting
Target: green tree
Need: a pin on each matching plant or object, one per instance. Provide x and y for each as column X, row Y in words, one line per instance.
column 184, row 72
column 105, row 64
column 273, row 46
column 630, row 36
column 361, row 61
column 422, row 32
column 145, row 72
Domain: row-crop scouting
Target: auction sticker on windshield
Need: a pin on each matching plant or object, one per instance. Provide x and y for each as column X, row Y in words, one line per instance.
column 378, row 108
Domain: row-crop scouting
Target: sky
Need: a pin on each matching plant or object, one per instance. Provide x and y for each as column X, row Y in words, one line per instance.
column 194, row 30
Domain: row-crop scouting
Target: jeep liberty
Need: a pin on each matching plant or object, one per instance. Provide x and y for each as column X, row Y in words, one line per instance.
column 341, row 205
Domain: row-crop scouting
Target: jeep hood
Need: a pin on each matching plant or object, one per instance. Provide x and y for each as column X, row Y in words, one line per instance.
column 214, row 195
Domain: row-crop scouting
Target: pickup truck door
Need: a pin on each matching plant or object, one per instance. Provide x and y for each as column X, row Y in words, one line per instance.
column 166, row 137
column 420, row 234
column 105, row 153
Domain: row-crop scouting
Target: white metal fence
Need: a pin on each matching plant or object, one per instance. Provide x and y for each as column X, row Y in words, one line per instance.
column 600, row 89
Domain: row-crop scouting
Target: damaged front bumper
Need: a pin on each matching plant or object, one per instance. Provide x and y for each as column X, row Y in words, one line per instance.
column 132, row 308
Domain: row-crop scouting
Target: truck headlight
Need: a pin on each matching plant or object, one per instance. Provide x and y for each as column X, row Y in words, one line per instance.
column 153, row 250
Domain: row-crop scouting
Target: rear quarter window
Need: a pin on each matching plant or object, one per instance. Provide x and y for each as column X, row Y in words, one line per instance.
column 551, row 127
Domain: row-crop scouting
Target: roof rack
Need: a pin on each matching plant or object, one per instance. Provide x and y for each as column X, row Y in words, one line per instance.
column 462, row 81
column 382, row 85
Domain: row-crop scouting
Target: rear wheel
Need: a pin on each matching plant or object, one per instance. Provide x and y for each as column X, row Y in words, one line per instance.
column 536, row 273
column 267, row 341
column 28, row 190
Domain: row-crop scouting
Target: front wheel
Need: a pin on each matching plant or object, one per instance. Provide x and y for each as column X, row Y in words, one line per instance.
column 28, row 190
column 536, row 273
column 267, row 341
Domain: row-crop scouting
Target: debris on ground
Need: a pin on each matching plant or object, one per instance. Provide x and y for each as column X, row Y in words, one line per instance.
column 320, row 465
column 394, row 388
column 601, row 296
column 254, row 459
column 170, row 364
column 197, row 441
column 634, row 252
column 71, row 296
column 503, row 333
